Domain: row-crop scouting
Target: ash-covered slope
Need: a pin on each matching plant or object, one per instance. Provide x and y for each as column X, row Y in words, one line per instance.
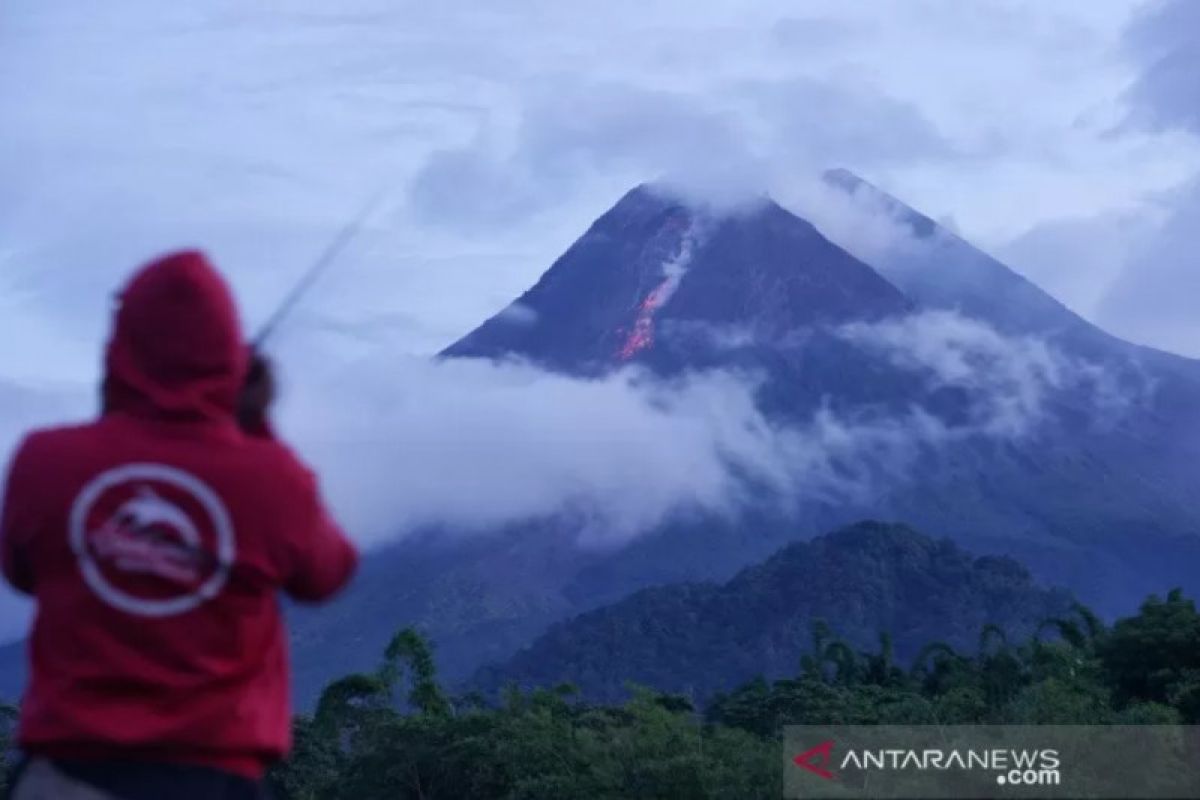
column 938, row 269
column 652, row 265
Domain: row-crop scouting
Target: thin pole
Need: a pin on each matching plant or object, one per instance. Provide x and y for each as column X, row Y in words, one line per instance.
column 323, row 262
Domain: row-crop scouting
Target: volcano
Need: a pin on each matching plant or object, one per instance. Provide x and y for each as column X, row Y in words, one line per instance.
column 652, row 265
column 937, row 346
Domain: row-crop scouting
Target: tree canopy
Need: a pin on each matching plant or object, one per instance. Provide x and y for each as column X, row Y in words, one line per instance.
column 396, row 734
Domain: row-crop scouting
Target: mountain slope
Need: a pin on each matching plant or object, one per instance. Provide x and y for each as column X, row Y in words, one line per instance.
column 938, row 269
column 1147, row 453
column 701, row 638
column 1081, row 466
column 1115, row 415
column 652, row 262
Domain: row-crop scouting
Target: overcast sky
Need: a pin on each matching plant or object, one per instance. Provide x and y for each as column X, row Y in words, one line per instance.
column 1060, row 135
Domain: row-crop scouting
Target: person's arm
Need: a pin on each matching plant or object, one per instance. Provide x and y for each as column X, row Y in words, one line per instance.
column 320, row 558
column 15, row 527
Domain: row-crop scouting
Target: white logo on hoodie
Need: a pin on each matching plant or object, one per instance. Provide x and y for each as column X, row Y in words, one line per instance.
column 152, row 540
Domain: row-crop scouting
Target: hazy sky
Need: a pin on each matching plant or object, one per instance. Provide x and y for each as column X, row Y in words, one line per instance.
column 1047, row 131
column 1060, row 135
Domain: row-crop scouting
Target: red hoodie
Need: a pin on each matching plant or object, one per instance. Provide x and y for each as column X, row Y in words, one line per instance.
column 155, row 541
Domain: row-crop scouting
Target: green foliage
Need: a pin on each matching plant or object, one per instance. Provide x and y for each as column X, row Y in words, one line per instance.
column 548, row 744
column 409, row 647
column 1156, row 655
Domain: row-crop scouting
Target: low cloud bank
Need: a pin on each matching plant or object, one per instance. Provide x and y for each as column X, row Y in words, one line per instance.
column 472, row 445
column 1010, row 380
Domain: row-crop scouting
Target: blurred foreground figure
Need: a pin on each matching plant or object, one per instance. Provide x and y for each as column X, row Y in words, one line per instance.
column 155, row 541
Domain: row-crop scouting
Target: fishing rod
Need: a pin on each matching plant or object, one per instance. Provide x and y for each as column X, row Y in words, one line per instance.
column 339, row 243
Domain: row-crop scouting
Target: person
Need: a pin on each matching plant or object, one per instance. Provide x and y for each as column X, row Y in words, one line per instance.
column 155, row 541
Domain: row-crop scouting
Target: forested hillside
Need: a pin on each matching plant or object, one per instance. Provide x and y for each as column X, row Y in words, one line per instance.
column 395, row 734
column 700, row 638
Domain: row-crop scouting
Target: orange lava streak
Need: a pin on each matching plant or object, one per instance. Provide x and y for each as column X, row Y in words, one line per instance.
column 642, row 335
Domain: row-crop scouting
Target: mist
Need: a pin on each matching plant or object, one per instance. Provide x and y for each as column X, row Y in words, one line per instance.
column 470, row 445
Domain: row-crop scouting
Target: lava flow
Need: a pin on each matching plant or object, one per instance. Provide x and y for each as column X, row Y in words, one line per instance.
column 641, row 336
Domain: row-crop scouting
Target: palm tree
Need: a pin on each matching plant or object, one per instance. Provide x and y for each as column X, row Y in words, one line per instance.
column 409, row 648
column 1002, row 671
column 1082, row 634
column 345, row 703
column 989, row 633
column 881, row 667
column 811, row 662
column 943, row 659
column 844, row 661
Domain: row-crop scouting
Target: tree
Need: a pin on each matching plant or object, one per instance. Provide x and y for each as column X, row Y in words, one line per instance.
column 363, row 742
column 1155, row 655
column 409, row 648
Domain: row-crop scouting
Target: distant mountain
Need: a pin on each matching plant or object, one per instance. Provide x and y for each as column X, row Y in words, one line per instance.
column 1097, row 494
column 701, row 638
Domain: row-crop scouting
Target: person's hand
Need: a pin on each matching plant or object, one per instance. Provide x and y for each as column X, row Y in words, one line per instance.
column 258, row 393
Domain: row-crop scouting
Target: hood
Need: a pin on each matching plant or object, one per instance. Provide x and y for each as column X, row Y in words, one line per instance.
column 176, row 350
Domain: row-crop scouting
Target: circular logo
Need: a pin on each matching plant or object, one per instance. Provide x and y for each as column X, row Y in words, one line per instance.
column 152, row 540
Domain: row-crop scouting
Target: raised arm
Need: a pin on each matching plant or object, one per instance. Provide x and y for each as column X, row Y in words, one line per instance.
column 319, row 558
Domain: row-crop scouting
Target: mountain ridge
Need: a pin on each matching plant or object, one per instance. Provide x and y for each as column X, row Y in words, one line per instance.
column 698, row 639
column 1101, row 507
column 653, row 260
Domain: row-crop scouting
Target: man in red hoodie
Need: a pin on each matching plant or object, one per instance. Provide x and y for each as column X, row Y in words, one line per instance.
column 155, row 541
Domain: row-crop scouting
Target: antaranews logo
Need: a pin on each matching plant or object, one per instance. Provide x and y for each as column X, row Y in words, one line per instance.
column 817, row 760
column 989, row 761
column 1017, row 767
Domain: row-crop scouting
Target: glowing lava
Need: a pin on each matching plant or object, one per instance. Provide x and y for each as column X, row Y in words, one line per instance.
column 641, row 336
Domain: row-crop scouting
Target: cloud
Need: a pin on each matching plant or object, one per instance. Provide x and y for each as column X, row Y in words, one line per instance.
column 570, row 134
column 1165, row 39
column 475, row 445
column 518, row 313
column 805, row 34
column 515, row 125
column 1153, row 299
column 848, row 123
column 1077, row 259
column 723, row 147
column 1134, row 271
column 857, row 218
column 472, row 445
column 1009, row 380
column 468, row 446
